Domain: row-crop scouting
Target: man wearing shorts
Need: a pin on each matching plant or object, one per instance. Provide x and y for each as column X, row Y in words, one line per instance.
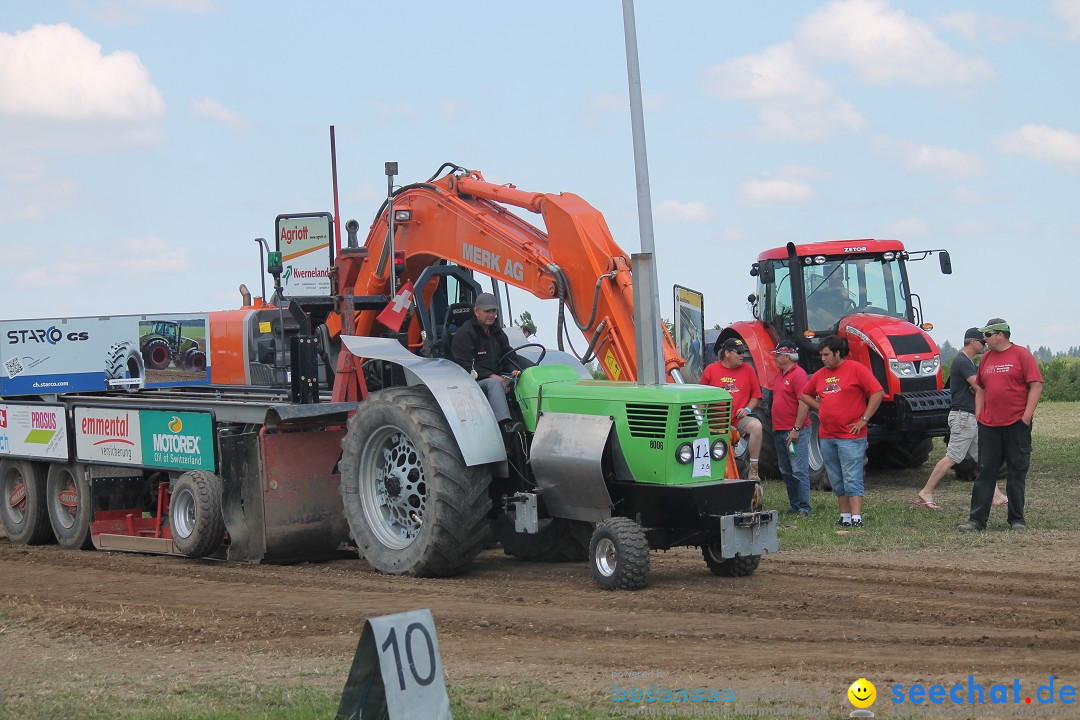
column 732, row 374
column 963, row 428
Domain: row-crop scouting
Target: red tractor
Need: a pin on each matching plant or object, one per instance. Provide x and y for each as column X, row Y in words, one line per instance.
column 859, row 290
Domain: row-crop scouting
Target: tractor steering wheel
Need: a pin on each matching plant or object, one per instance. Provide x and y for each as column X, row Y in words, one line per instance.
column 508, row 356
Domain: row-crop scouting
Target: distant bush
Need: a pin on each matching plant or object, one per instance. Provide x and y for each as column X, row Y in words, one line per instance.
column 1061, row 379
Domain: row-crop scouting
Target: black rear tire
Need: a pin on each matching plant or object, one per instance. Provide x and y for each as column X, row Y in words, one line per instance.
column 900, row 455
column 68, row 497
column 125, row 362
column 819, row 478
column 413, row 506
column 738, row 566
column 619, row 554
column 23, row 505
column 768, row 465
column 559, row 540
column 195, row 517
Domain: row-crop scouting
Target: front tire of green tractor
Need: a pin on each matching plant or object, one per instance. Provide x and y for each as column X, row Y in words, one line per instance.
column 23, row 503
column 68, row 495
column 195, row 517
column 559, row 540
column 738, row 566
column 619, row 553
column 413, row 506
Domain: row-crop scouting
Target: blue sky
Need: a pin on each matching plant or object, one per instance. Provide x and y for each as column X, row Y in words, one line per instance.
column 145, row 143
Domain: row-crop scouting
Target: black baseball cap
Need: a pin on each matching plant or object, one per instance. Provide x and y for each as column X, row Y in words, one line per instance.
column 973, row 334
column 733, row 344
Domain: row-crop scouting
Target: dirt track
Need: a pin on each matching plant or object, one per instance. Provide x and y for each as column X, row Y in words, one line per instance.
column 999, row 613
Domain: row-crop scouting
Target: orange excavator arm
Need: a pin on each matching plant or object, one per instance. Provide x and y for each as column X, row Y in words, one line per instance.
column 461, row 218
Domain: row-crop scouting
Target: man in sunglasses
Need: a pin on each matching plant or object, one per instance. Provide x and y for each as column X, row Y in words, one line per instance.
column 1008, row 387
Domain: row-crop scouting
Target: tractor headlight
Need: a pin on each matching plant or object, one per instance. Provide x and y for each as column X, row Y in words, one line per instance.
column 930, row 367
column 719, row 449
column 902, row 368
column 685, row 453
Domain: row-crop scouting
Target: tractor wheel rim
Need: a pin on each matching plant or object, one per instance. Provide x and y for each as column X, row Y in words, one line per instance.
column 14, row 490
column 393, row 487
column 605, row 557
column 64, row 513
column 183, row 513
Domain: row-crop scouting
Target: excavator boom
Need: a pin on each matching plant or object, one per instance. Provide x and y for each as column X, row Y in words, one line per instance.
column 463, row 219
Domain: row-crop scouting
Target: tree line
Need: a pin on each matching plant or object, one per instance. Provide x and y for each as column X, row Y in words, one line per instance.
column 1060, row 371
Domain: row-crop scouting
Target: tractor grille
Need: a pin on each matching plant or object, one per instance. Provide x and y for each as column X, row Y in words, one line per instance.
column 716, row 415
column 647, row 420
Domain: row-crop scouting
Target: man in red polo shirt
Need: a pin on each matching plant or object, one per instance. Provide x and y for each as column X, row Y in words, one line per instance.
column 732, row 374
column 1008, row 387
column 786, row 390
column 846, row 395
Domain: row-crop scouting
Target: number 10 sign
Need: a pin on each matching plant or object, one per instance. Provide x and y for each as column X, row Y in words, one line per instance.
column 397, row 672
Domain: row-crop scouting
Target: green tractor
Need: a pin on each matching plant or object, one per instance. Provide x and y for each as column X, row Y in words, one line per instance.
column 604, row 471
column 165, row 343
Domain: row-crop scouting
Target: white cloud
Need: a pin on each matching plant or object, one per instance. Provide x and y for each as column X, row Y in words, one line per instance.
column 968, row 197
column 906, row 228
column 675, row 211
column 885, row 46
column 793, row 102
column 211, row 109
column 976, row 227
column 399, row 109
column 965, row 22
column 765, row 192
column 1060, row 147
column 54, row 71
column 143, row 258
column 29, row 194
column 930, row 159
column 117, row 12
column 1069, row 11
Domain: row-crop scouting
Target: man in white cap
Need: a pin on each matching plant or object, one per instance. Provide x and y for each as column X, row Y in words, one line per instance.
column 787, row 387
column 1009, row 385
column 478, row 346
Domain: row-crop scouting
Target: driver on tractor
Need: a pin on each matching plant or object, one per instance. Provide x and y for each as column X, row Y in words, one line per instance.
column 482, row 348
column 829, row 302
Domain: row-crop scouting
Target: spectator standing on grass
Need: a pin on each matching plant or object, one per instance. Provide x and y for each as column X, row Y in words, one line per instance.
column 731, row 373
column 846, row 395
column 1008, row 387
column 963, row 428
column 786, row 390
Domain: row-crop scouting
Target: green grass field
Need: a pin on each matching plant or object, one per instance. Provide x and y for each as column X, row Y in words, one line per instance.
column 893, row 524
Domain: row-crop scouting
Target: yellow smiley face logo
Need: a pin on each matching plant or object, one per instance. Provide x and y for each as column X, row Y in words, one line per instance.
column 862, row 693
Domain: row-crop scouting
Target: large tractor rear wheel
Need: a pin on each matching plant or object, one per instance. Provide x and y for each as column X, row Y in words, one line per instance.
column 23, row 503
column 559, row 540
column 619, row 553
column 68, row 492
column 195, row 518
column 413, row 506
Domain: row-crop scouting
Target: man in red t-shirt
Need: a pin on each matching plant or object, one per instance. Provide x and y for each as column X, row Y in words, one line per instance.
column 846, row 395
column 787, row 387
column 739, row 379
column 1008, row 387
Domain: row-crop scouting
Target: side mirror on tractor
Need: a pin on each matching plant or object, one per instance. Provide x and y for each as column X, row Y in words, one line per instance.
column 946, row 262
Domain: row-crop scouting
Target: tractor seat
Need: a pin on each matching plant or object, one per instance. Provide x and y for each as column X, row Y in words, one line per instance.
column 457, row 314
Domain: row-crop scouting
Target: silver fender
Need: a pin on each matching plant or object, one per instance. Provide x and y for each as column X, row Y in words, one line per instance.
column 462, row 401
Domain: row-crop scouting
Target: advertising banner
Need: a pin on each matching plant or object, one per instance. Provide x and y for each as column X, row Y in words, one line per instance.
column 306, row 254
column 145, row 438
column 690, row 331
column 89, row 354
column 33, row 431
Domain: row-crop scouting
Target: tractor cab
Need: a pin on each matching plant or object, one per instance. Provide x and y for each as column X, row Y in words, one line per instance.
column 806, row 292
